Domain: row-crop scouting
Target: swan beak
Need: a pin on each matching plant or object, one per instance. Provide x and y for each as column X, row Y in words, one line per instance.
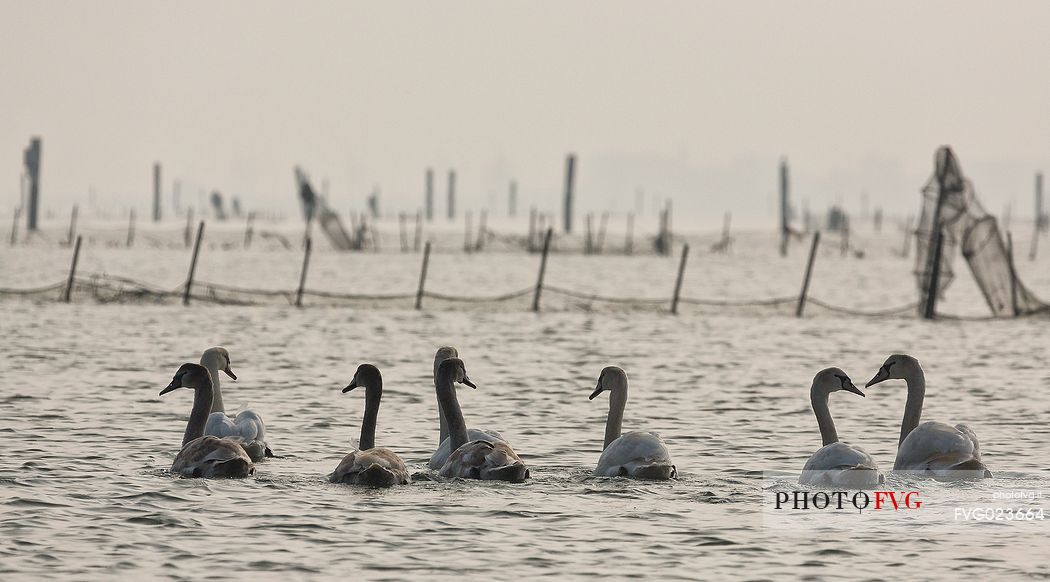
column 174, row 385
column 353, row 384
column 597, row 390
column 467, row 381
column 881, row 376
column 229, row 372
column 849, row 387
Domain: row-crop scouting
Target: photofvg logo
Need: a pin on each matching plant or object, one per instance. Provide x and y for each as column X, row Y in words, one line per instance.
column 902, row 500
column 847, row 500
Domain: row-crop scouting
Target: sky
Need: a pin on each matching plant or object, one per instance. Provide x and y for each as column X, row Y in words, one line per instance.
column 691, row 101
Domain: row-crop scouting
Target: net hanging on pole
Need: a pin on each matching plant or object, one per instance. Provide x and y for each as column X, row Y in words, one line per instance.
column 965, row 224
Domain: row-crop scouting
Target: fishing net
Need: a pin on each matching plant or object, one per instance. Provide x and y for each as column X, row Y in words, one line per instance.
column 950, row 203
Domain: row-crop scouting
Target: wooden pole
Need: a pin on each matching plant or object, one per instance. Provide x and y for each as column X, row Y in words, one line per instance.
column 429, row 196
column 193, row 264
column 467, row 246
column 156, row 191
column 1013, row 273
column 402, row 225
column 930, row 309
column 72, row 224
column 189, row 227
column 588, row 239
column 600, row 243
column 678, row 281
column 423, row 276
column 131, row 228
column 543, row 269
column 628, row 245
column 809, row 273
column 248, row 229
column 419, row 231
column 302, row 274
column 570, row 174
column 451, row 194
column 72, row 272
column 531, row 245
column 14, row 226
column 480, row 244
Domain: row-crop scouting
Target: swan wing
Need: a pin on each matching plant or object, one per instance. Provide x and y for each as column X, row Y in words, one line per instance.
column 841, row 464
column 377, row 467
column 937, row 447
column 211, row 456
column 250, row 425
column 437, row 460
column 636, row 454
column 247, row 427
column 485, row 460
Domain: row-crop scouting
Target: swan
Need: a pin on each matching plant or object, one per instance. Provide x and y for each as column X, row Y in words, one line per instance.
column 205, row 455
column 369, row 464
column 836, row 463
column 437, row 460
column 638, row 454
column 934, row 448
column 247, row 425
column 491, row 460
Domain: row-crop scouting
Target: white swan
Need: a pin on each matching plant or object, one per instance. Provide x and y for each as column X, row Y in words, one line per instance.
column 478, row 459
column 933, row 448
column 437, row 460
column 836, row 463
column 247, row 425
column 369, row 464
column 205, row 456
column 638, row 454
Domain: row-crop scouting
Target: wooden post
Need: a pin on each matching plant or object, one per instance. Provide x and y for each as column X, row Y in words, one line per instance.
column 678, row 282
column 32, row 159
column 930, row 308
column 302, row 274
column 1013, row 273
column 402, row 226
column 451, row 194
column 72, row 224
column 531, row 245
column 419, row 232
column 14, row 226
column 600, row 243
column 248, row 230
column 570, row 173
column 844, row 230
column 628, row 246
column 588, row 243
column 189, row 226
column 809, row 273
column 543, row 269
column 480, row 244
column 429, row 196
column 156, row 191
column 467, row 247
column 131, row 228
column 72, row 271
column 423, row 276
column 193, row 264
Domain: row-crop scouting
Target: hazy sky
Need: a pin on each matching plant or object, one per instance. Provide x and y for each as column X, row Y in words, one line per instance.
column 690, row 100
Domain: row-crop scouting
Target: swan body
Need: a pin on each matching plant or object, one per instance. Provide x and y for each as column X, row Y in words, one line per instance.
column 437, row 460
column 205, row 455
column 935, row 449
column 637, row 454
column 440, row 455
column 248, row 425
column 471, row 459
column 836, row 463
column 370, row 465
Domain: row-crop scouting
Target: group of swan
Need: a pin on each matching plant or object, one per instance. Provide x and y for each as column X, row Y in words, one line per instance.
column 931, row 448
column 217, row 446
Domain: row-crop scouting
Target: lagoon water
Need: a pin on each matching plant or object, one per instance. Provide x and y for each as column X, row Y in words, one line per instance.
column 87, row 441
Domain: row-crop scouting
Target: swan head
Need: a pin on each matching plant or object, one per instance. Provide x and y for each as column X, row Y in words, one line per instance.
column 189, row 376
column 896, row 367
column 612, row 378
column 454, row 367
column 444, row 353
column 219, row 358
column 831, row 380
column 367, row 375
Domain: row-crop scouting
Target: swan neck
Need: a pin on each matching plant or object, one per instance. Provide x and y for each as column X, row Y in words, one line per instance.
column 614, row 423
column 913, row 408
column 373, row 395
column 453, row 414
column 442, row 423
column 216, row 399
column 202, row 400
column 819, row 400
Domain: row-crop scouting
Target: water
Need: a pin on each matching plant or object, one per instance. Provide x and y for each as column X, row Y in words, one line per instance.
column 88, row 441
